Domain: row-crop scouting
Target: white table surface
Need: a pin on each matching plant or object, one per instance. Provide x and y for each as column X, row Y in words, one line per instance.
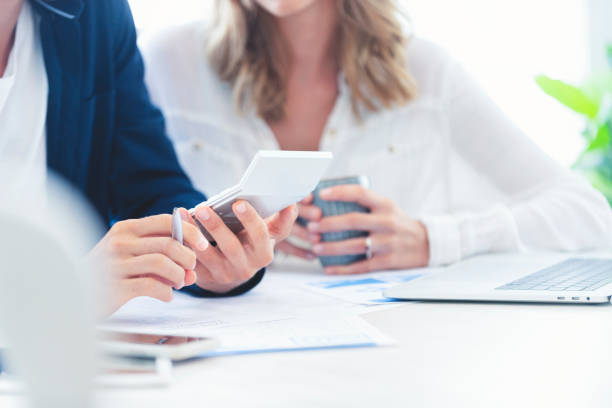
column 449, row 355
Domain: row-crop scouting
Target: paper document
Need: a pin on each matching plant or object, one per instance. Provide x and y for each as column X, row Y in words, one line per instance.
column 299, row 334
column 186, row 315
column 277, row 315
column 272, row 300
column 362, row 289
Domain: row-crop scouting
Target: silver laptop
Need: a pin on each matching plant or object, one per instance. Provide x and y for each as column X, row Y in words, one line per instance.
column 508, row 279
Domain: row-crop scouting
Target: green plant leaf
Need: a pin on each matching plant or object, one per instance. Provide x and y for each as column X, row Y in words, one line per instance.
column 609, row 55
column 601, row 140
column 569, row 95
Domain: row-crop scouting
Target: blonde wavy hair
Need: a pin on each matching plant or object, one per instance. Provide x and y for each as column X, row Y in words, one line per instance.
column 244, row 49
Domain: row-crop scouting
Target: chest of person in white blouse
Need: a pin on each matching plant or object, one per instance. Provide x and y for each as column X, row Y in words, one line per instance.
column 449, row 157
column 397, row 149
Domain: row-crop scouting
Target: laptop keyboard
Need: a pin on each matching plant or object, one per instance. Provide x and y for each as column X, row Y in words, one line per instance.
column 569, row 275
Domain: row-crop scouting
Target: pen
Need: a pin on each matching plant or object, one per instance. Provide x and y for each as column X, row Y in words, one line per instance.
column 177, row 226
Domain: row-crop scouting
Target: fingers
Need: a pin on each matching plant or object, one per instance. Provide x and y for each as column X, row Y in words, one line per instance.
column 129, row 289
column 192, row 236
column 290, row 249
column 348, row 247
column 158, row 265
column 154, row 225
column 190, row 277
column 307, row 200
column 356, row 193
column 280, row 225
column 178, row 253
column 310, row 212
column 227, row 242
column 145, row 286
column 376, row 263
column 231, row 262
column 161, row 225
column 203, row 275
column 255, row 227
column 353, row 222
column 229, row 250
column 207, row 280
column 214, row 282
column 354, row 246
column 215, row 262
column 298, row 231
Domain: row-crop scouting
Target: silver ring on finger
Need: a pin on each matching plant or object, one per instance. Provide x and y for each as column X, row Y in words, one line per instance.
column 368, row 247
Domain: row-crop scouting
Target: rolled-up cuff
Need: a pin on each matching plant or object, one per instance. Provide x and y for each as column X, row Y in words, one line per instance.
column 444, row 239
column 455, row 237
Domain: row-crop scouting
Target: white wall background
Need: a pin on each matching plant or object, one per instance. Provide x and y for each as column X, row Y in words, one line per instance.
column 504, row 43
column 600, row 31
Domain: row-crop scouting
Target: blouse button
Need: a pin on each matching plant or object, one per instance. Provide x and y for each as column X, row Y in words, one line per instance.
column 197, row 146
column 391, row 149
column 332, row 132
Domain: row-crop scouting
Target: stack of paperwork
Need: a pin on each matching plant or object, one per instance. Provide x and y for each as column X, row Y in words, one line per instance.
column 292, row 309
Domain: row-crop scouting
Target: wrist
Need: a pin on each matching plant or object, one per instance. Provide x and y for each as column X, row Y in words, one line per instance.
column 423, row 239
column 444, row 239
column 219, row 288
column 205, row 289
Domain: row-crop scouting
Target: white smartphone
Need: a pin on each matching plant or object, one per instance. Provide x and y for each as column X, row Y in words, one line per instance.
column 274, row 180
column 143, row 345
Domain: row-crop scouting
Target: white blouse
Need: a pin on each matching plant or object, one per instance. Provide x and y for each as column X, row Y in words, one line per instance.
column 23, row 113
column 450, row 158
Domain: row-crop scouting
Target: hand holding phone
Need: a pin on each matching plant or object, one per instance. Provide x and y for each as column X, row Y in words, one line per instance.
column 274, row 180
column 245, row 221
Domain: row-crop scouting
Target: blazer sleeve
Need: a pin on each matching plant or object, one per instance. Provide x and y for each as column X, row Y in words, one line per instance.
column 146, row 177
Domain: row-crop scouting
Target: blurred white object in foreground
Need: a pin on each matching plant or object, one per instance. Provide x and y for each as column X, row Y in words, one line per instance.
column 46, row 307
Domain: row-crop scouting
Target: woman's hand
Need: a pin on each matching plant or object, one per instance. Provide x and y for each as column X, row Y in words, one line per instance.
column 310, row 213
column 397, row 241
column 139, row 258
column 236, row 258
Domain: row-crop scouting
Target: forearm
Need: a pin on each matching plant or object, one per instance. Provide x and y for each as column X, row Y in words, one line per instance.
column 566, row 216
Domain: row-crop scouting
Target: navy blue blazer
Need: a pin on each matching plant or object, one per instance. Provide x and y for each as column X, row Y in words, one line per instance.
column 103, row 134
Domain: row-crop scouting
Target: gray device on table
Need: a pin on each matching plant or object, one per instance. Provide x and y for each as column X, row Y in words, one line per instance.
column 331, row 208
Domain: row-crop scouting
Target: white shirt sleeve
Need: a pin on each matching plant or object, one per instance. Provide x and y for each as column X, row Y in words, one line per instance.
column 547, row 207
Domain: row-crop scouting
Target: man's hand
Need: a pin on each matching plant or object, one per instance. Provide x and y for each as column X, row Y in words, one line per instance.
column 236, row 258
column 310, row 213
column 140, row 259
